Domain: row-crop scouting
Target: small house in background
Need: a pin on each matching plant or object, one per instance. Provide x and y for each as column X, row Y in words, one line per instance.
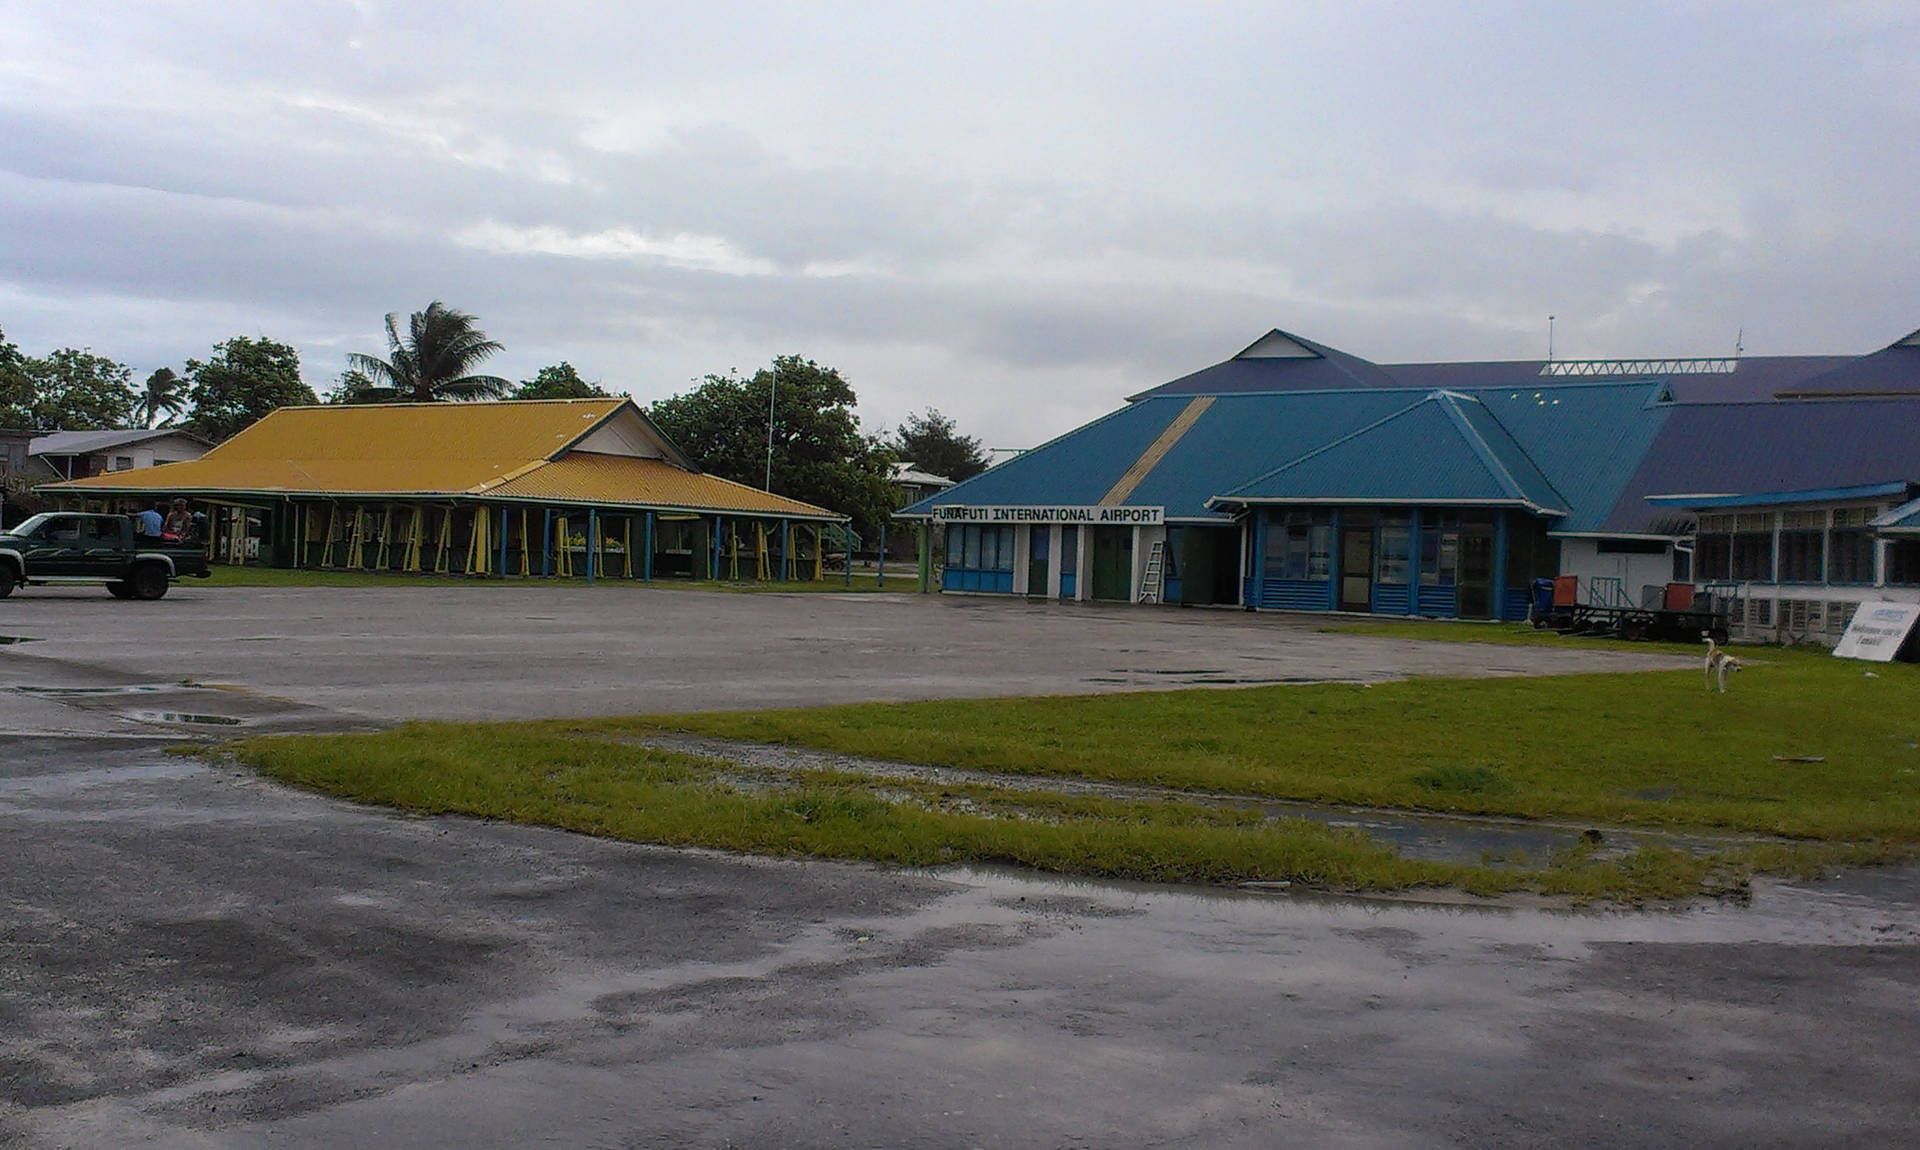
column 60, row 455
column 910, row 485
column 17, row 500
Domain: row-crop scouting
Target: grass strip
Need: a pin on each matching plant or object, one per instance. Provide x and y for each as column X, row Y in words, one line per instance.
column 1643, row 749
column 520, row 773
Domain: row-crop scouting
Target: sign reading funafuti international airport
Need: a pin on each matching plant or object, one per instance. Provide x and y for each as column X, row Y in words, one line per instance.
column 1041, row 513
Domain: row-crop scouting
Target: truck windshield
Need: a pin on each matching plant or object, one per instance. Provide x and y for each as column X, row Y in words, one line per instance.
column 29, row 526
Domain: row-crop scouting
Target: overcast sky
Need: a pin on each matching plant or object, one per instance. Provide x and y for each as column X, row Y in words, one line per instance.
column 1017, row 213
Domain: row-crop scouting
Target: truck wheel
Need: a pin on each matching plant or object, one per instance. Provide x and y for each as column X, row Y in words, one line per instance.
column 120, row 590
column 149, row 581
column 6, row 580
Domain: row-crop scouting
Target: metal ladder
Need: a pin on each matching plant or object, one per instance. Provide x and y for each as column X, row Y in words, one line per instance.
column 1151, row 581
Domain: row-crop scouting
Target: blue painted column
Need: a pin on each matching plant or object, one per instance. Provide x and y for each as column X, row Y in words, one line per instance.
column 546, row 544
column 786, row 549
column 1257, row 562
column 714, row 552
column 1333, row 560
column 1413, row 562
column 647, row 566
column 1500, row 564
column 881, row 580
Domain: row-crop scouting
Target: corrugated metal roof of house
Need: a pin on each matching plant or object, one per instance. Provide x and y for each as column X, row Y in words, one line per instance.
column 1781, row 446
column 591, row 478
column 85, row 442
column 1428, row 451
column 398, row 448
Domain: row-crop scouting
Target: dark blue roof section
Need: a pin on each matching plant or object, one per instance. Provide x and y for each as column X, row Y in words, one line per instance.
column 1753, row 377
column 1732, row 449
column 1784, row 498
column 1893, row 369
column 1075, row 469
column 1441, row 448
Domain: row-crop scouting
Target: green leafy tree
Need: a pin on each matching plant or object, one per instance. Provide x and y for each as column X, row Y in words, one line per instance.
column 16, row 393
column 163, row 398
column 819, row 453
column 433, row 361
column 934, row 445
column 559, row 381
column 246, row 380
column 76, row 390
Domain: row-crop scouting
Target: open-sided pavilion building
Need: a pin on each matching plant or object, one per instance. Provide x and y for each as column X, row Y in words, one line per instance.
column 586, row 488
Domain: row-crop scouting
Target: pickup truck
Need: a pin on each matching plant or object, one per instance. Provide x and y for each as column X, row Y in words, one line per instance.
column 70, row 547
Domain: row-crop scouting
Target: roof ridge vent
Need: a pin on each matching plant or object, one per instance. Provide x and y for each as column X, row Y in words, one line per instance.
column 1277, row 344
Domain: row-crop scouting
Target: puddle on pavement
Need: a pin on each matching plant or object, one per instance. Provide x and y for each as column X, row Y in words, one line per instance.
column 7, row 640
column 183, row 717
column 136, row 689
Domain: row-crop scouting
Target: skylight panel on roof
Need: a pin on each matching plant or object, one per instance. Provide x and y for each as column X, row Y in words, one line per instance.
column 1600, row 367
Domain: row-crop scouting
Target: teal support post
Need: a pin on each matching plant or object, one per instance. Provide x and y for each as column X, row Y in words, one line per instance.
column 1413, row 563
column 926, row 556
column 880, row 575
column 546, row 544
column 786, row 549
column 647, row 566
column 1333, row 561
column 1499, row 564
column 713, row 552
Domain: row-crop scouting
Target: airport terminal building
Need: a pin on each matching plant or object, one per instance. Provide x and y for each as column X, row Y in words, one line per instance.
column 1296, row 476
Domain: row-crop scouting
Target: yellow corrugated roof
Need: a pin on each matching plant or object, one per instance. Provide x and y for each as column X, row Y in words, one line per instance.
column 587, row 477
column 397, row 448
column 498, row 450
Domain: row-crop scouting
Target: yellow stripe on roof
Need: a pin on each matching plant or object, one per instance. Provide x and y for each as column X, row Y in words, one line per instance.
column 1156, row 451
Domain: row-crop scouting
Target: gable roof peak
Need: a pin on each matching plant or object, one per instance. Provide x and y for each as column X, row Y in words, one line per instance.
column 1277, row 344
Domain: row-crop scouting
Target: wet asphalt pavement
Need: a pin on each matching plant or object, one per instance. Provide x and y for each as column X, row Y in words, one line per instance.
column 195, row 958
column 191, row 957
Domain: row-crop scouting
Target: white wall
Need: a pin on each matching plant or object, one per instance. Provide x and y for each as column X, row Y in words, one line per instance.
column 1582, row 557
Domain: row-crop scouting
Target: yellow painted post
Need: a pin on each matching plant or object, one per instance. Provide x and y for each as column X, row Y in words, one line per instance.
column 733, row 538
column 414, row 514
column 384, row 556
column 563, row 560
column 819, row 554
column 333, row 527
column 441, row 563
column 629, row 551
column 760, row 530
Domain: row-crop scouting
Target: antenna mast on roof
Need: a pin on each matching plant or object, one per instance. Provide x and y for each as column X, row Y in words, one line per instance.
column 1549, row 339
column 1739, row 341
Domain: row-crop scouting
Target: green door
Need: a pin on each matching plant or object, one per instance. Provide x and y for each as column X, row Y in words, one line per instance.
column 1113, row 563
column 1039, row 535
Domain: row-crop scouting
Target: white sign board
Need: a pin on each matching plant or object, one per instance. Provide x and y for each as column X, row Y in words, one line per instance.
column 1108, row 516
column 1877, row 631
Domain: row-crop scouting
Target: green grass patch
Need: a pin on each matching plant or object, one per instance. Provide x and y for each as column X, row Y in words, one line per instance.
column 1503, row 634
column 607, row 788
column 225, row 576
column 1643, row 749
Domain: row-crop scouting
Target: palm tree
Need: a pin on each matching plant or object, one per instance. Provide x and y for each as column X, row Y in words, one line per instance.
column 165, row 395
column 434, row 362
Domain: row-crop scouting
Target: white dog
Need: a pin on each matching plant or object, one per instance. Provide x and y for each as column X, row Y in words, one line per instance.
column 1719, row 662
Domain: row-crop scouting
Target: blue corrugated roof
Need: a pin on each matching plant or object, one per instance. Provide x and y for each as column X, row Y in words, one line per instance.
column 1076, row 469
column 1586, row 438
column 1902, row 520
column 1429, row 451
